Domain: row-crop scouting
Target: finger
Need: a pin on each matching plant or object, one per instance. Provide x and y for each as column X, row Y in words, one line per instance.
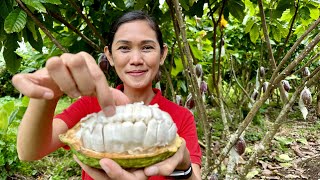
column 115, row 171
column 121, row 99
column 61, row 75
column 24, row 84
column 103, row 91
column 79, row 70
column 166, row 167
column 92, row 172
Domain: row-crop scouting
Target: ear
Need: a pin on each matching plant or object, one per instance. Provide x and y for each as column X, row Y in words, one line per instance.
column 109, row 55
column 164, row 54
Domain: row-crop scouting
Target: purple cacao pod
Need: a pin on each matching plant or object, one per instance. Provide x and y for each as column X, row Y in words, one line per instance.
column 262, row 71
column 265, row 86
column 199, row 70
column 203, row 87
column 305, row 72
column 104, row 63
column 286, row 85
column 254, row 95
column 306, row 96
column 190, row 102
column 240, row 146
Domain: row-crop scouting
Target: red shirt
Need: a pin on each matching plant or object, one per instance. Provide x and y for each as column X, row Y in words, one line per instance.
column 181, row 116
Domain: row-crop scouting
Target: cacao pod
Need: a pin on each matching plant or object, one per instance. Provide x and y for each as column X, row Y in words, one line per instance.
column 262, row 71
column 203, row 87
column 286, row 85
column 265, row 86
column 199, row 70
column 306, row 96
column 190, row 102
column 305, row 72
column 240, row 146
column 255, row 94
column 136, row 136
column 104, row 63
column 179, row 100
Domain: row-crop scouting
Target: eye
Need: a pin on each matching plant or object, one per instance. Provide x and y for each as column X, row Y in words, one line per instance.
column 147, row 48
column 124, row 48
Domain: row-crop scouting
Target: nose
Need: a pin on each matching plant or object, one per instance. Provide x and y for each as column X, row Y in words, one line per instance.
column 136, row 58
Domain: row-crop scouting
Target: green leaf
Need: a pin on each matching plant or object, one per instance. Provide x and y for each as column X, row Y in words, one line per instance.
column 119, row 4
column 15, row 21
column 304, row 13
column 35, row 43
column 3, row 34
column 12, row 62
column 249, row 25
column 140, row 4
column 284, row 140
column 184, row 4
column 314, row 11
column 6, row 7
column 3, row 120
column 57, row 2
column 276, row 33
column 36, row 5
column 254, row 33
column 179, row 67
column 31, row 27
column 236, row 8
column 303, row 141
column 282, row 6
column 284, row 158
column 196, row 52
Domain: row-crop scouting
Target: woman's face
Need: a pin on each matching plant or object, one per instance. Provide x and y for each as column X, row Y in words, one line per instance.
column 136, row 54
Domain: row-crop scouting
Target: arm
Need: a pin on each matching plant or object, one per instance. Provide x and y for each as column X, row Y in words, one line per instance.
column 38, row 132
column 72, row 74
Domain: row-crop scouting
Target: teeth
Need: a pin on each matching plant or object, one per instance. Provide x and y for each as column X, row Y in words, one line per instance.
column 134, row 127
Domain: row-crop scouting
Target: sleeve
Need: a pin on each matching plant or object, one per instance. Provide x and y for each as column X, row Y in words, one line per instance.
column 188, row 131
column 79, row 109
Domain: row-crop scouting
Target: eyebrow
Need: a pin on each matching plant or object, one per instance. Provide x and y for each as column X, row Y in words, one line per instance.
column 128, row 42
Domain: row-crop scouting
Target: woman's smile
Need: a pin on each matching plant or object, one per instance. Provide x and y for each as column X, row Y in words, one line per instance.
column 137, row 73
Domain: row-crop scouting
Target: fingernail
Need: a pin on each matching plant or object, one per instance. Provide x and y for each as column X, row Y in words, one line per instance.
column 75, row 94
column 151, row 171
column 109, row 110
column 48, row 95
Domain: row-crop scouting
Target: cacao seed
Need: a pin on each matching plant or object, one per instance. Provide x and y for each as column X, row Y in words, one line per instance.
column 203, row 87
column 286, row 85
column 189, row 102
column 305, row 72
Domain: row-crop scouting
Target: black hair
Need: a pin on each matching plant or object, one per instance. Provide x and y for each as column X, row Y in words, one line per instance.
column 132, row 16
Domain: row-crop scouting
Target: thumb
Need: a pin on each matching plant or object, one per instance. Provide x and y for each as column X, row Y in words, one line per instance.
column 112, row 169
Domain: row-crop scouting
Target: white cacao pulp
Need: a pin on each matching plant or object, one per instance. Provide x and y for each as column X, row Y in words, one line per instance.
column 135, row 128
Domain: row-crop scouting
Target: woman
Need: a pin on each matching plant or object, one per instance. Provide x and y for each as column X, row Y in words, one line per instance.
column 136, row 51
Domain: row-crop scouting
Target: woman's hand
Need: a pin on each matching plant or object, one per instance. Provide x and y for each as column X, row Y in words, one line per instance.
column 179, row 161
column 111, row 170
column 73, row 74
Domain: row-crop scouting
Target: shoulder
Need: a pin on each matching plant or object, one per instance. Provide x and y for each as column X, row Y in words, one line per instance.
column 179, row 114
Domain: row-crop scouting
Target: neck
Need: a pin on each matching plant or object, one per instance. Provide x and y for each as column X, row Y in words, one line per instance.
column 138, row 95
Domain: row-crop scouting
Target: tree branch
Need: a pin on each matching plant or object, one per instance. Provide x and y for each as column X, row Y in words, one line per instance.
column 195, row 90
column 74, row 29
column 290, row 30
column 269, row 48
column 42, row 27
column 94, row 30
column 265, row 143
